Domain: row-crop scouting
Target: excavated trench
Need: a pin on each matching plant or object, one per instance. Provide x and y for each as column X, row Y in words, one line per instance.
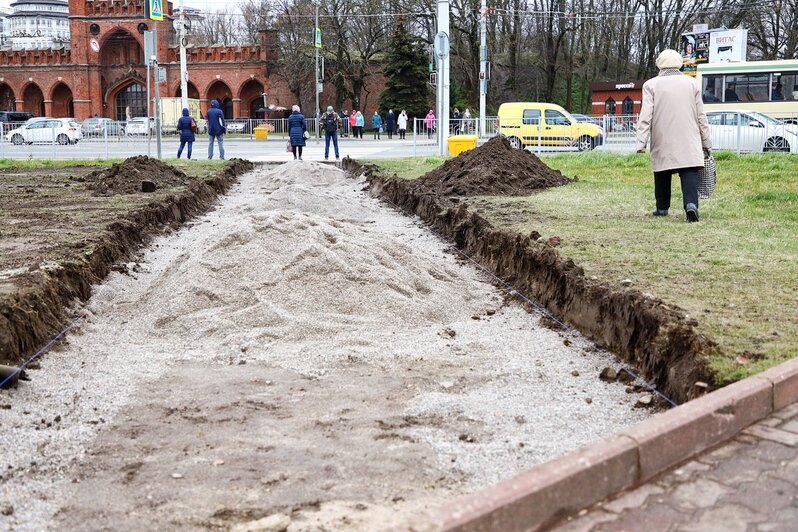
column 655, row 338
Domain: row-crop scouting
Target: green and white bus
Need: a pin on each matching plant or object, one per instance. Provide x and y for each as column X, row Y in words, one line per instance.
column 768, row 87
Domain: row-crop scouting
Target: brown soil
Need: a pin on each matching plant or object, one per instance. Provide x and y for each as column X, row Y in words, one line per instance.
column 59, row 239
column 493, row 169
column 653, row 337
column 126, row 177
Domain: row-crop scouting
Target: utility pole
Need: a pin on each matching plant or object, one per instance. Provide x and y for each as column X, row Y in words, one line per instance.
column 157, row 94
column 483, row 66
column 317, row 45
column 442, row 52
column 183, row 67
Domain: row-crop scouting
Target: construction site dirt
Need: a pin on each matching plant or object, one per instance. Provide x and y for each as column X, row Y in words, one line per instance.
column 303, row 355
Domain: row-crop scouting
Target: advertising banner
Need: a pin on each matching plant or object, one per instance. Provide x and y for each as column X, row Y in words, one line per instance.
column 728, row 46
column 695, row 50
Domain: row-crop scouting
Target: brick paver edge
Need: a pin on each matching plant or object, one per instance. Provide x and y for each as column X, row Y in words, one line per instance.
column 560, row 487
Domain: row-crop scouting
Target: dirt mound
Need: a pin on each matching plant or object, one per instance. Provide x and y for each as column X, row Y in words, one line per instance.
column 493, row 169
column 126, row 177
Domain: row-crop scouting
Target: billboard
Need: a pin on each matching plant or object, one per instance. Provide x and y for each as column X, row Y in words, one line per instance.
column 728, row 46
column 695, row 50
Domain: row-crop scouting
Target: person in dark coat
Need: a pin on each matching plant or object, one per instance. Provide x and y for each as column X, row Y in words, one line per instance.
column 390, row 123
column 217, row 127
column 186, row 126
column 296, row 131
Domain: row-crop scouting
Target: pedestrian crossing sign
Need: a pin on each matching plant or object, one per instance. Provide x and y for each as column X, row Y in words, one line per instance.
column 156, row 9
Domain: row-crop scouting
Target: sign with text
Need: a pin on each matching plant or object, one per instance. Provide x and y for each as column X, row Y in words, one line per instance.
column 317, row 38
column 728, row 46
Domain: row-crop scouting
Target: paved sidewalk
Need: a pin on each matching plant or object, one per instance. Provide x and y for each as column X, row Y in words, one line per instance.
column 747, row 483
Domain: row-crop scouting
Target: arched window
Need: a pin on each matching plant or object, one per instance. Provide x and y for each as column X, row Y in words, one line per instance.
column 628, row 106
column 609, row 106
column 132, row 100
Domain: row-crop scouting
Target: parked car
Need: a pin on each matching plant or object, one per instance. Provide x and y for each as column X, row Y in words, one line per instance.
column 140, row 126
column 530, row 123
column 13, row 119
column 239, row 125
column 98, row 127
column 60, row 130
column 584, row 119
column 750, row 131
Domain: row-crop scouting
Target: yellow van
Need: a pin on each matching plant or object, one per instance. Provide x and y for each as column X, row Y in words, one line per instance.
column 546, row 124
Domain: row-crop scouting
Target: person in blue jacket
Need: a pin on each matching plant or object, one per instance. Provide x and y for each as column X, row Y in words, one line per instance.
column 376, row 124
column 217, row 127
column 186, row 126
column 296, row 131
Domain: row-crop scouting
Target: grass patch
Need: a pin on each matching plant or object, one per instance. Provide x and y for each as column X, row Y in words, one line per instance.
column 736, row 271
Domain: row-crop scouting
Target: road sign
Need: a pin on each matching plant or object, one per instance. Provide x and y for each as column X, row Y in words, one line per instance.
column 149, row 46
column 161, row 76
column 317, row 38
column 433, row 78
column 156, row 9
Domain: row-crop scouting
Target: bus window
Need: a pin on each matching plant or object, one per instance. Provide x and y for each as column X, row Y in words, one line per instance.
column 747, row 88
column 709, row 90
column 784, row 87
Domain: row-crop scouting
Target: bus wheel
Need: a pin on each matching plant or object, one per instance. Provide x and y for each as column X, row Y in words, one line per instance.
column 585, row 143
column 516, row 143
column 776, row 144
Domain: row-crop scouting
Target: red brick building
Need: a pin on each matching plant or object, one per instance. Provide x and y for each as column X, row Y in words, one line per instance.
column 103, row 71
column 616, row 98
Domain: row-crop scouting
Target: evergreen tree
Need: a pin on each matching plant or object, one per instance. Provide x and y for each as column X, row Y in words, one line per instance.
column 406, row 75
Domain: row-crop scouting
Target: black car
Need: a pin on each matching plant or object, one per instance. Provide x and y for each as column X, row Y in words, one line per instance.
column 13, row 119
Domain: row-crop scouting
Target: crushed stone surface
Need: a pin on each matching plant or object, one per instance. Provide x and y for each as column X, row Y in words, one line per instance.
column 302, row 352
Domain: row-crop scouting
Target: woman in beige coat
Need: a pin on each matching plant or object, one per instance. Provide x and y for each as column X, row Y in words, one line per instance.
column 673, row 117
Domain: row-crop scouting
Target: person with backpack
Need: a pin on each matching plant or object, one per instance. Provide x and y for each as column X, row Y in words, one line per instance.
column 187, row 127
column 331, row 122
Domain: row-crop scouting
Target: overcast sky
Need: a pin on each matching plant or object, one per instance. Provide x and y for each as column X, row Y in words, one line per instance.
column 212, row 5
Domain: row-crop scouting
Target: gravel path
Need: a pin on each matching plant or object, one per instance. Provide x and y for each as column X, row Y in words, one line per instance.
column 302, row 353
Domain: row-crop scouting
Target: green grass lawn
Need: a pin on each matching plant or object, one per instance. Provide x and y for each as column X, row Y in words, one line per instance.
column 736, row 271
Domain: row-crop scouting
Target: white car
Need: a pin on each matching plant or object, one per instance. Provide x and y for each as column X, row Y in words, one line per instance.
column 749, row 131
column 48, row 130
column 139, row 126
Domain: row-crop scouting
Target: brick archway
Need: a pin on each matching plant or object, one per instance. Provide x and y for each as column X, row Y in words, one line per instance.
column 33, row 97
column 63, row 105
column 8, row 100
column 251, row 96
column 119, row 48
column 219, row 90
column 193, row 91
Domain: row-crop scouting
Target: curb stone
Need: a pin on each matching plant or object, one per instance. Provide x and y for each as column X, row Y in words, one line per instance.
column 541, row 496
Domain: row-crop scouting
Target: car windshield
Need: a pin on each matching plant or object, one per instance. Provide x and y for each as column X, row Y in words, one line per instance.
column 765, row 118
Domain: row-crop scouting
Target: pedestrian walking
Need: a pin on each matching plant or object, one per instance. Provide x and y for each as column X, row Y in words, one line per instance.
column 187, row 127
column 401, row 122
column 331, row 122
column 376, row 125
column 390, row 123
column 217, row 127
column 672, row 116
column 360, row 122
column 297, row 131
column 429, row 121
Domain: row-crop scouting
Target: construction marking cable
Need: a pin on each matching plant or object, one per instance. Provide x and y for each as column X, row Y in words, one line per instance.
column 41, row 351
column 540, row 308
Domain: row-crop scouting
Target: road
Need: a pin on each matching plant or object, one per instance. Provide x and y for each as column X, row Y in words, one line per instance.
column 271, row 150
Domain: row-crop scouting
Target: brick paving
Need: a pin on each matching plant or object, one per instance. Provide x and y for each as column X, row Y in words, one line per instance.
column 749, row 483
